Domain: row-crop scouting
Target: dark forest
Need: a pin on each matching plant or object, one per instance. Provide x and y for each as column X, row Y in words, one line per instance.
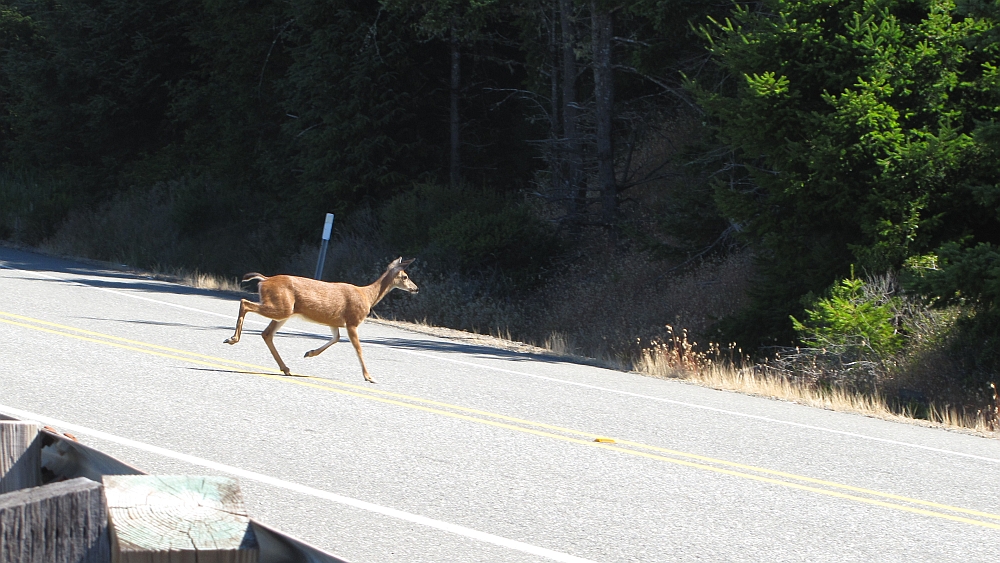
column 808, row 185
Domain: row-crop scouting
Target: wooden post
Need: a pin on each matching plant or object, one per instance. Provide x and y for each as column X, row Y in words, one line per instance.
column 63, row 522
column 20, row 455
column 178, row 519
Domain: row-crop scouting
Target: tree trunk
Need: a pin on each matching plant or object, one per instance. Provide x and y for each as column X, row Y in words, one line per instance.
column 455, row 164
column 576, row 193
column 604, row 98
column 555, row 127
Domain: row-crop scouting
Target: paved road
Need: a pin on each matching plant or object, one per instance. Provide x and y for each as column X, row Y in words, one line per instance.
column 468, row 454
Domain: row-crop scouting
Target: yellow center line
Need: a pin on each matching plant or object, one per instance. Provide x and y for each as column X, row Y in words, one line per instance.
column 406, row 401
column 126, row 340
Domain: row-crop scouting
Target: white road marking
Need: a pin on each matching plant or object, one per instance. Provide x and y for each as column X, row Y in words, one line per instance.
column 552, row 379
column 302, row 489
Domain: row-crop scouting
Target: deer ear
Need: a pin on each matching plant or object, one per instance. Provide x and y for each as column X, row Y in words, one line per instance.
column 395, row 262
column 406, row 263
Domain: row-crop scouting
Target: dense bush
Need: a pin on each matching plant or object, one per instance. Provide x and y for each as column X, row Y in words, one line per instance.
column 967, row 276
column 32, row 205
column 851, row 317
column 472, row 229
column 870, row 335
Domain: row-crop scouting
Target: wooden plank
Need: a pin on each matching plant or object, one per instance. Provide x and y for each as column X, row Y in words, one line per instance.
column 178, row 519
column 64, row 522
column 20, row 455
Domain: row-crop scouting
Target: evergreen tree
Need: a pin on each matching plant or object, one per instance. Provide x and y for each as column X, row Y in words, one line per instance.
column 858, row 125
column 88, row 88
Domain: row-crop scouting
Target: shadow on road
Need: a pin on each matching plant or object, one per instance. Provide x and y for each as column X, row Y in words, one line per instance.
column 102, row 278
column 475, row 350
column 105, row 278
column 143, row 284
column 248, row 372
column 166, row 324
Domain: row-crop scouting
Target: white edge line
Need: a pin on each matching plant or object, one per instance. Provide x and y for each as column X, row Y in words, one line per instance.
column 556, row 380
column 303, row 489
column 697, row 406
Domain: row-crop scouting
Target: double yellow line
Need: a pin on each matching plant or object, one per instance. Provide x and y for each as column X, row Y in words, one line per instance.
column 781, row 478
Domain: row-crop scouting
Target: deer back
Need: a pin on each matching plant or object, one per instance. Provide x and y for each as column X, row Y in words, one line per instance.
column 333, row 304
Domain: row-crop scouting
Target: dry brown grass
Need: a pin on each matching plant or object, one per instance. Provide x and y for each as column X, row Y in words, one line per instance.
column 558, row 344
column 730, row 370
column 203, row 280
column 138, row 227
column 607, row 301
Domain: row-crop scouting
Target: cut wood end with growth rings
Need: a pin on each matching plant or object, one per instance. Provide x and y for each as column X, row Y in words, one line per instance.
column 178, row 518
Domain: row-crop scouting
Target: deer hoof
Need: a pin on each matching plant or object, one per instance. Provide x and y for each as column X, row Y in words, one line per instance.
column 230, row 341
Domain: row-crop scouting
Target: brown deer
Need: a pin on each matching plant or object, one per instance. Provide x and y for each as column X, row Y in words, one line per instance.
column 332, row 304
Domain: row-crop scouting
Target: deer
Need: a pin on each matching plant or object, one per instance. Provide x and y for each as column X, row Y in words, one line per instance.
column 329, row 303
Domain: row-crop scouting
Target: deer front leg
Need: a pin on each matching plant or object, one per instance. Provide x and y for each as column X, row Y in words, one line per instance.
column 268, row 336
column 244, row 308
column 352, row 333
column 318, row 351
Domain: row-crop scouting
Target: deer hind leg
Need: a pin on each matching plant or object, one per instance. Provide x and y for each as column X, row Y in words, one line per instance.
column 318, row 351
column 245, row 307
column 268, row 336
column 352, row 333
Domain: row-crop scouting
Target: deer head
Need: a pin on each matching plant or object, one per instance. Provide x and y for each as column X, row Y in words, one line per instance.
column 398, row 276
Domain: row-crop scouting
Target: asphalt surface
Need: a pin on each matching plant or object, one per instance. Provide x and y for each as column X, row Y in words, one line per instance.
column 472, row 454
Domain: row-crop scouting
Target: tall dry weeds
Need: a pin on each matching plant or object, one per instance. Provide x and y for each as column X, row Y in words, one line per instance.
column 606, row 301
column 728, row 368
column 139, row 228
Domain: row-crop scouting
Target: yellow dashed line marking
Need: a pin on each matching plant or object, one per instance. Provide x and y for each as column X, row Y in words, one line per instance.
column 759, row 474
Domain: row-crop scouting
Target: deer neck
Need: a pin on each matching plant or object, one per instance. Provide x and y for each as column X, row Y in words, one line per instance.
column 377, row 290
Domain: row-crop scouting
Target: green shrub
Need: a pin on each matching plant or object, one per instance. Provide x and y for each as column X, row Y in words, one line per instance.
column 854, row 318
column 470, row 229
column 967, row 276
column 976, row 347
column 131, row 228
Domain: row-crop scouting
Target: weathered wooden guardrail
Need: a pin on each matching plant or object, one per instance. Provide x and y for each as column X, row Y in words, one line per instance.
column 63, row 502
column 20, row 455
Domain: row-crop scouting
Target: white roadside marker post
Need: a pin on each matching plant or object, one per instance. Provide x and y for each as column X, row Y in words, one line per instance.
column 327, row 228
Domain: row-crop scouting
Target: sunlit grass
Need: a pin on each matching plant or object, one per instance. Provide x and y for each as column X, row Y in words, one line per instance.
column 678, row 359
column 204, row 280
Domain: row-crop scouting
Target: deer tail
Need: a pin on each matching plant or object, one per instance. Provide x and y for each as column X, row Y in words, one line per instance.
column 254, row 276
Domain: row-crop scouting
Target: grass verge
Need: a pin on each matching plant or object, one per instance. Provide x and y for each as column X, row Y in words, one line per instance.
column 734, row 372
